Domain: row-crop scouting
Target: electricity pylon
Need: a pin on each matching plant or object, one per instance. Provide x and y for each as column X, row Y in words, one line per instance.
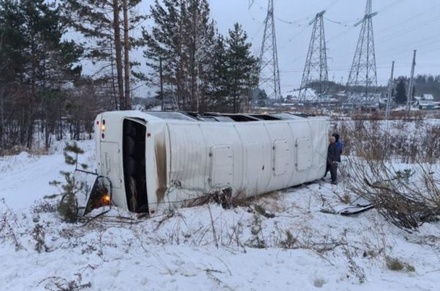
column 315, row 69
column 269, row 72
column 363, row 69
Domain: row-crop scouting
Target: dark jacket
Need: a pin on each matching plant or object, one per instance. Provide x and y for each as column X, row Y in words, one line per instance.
column 339, row 146
column 333, row 153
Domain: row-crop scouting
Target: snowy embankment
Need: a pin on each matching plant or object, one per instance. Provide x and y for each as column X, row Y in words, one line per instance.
column 301, row 245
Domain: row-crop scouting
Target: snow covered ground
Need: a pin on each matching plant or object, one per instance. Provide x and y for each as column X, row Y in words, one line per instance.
column 288, row 240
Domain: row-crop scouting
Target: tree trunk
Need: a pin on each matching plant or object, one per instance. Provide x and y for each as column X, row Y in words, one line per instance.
column 126, row 56
column 118, row 53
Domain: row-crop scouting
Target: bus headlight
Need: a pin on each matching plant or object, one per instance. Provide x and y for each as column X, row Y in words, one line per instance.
column 105, row 199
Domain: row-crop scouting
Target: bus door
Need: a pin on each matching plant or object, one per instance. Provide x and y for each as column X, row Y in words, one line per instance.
column 133, row 157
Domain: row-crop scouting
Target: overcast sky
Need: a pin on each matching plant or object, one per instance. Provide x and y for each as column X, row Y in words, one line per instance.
column 400, row 27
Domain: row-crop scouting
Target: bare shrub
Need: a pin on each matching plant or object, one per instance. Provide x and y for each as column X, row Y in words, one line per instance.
column 406, row 197
column 344, row 198
column 363, row 138
column 290, row 241
column 222, row 197
column 256, row 240
column 225, row 198
column 8, row 226
column 430, row 144
column 38, row 233
column 213, row 227
column 7, row 232
column 62, row 284
column 44, row 207
column 381, row 140
column 354, row 268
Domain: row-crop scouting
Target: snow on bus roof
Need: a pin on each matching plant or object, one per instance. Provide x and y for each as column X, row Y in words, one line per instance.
column 225, row 117
column 171, row 115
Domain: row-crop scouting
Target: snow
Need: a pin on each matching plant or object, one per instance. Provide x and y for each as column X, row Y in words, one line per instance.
column 204, row 247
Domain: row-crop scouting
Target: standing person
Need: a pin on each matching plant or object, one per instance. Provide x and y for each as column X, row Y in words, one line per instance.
column 333, row 157
column 339, row 145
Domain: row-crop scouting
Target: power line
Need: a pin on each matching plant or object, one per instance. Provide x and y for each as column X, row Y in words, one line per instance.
column 402, row 30
column 402, row 48
column 389, row 6
column 407, row 20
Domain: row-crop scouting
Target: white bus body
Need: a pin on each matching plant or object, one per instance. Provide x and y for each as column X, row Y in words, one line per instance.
column 157, row 160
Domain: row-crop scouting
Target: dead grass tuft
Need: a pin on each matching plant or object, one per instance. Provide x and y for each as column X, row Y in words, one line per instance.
column 395, row 264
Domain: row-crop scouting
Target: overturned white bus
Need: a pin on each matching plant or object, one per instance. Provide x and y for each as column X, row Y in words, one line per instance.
column 157, row 160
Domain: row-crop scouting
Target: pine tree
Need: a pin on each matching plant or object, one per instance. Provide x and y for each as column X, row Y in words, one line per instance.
column 182, row 39
column 199, row 67
column 163, row 45
column 99, row 22
column 218, row 88
column 401, row 92
column 34, row 61
column 68, row 205
column 242, row 67
column 200, row 39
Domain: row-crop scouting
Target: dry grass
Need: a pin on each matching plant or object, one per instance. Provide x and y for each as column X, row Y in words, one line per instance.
column 407, row 198
column 395, row 264
column 19, row 149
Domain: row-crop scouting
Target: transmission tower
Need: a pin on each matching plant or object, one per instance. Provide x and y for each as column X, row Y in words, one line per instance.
column 363, row 69
column 269, row 71
column 315, row 69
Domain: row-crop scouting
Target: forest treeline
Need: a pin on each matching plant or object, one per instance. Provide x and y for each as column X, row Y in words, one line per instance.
column 44, row 46
column 63, row 62
column 423, row 84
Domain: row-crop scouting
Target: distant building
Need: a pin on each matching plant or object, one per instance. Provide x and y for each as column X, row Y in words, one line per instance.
column 427, row 97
